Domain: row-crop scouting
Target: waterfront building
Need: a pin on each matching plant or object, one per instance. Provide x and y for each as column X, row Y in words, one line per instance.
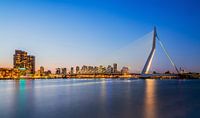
column 47, row 73
column 109, row 69
column 58, row 72
column 72, row 70
column 115, row 68
column 23, row 61
column 77, row 69
column 31, row 64
column 84, row 69
column 9, row 73
column 125, row 70
column 95, row 69
column 100, row 69
column 20, row 59
column 90, row 70
column 41, row 71
column 64, row 71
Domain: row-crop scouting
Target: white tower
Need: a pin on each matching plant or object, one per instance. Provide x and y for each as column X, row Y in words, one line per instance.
column 151, row 55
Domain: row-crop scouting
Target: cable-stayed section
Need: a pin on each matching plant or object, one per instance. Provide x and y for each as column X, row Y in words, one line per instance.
column 138, row 55
column 167, row 54
column 133, row 55
column 148, row 63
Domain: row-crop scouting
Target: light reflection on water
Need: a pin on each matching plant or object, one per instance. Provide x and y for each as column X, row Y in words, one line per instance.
column 150, row 99
column 99, row 98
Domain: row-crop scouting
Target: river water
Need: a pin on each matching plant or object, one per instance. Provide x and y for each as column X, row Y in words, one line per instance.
column 110, row 98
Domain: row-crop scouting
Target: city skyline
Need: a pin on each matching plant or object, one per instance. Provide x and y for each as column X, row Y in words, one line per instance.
column 99, row 58
column 60, row 33
column 22, row 61
column 24, row 67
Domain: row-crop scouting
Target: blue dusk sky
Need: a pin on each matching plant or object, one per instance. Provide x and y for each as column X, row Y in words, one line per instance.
column 64, row 33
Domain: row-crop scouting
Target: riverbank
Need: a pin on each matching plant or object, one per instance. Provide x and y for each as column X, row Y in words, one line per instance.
column 123, row 78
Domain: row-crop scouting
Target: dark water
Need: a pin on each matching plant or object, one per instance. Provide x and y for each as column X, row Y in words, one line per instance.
column 100, row 99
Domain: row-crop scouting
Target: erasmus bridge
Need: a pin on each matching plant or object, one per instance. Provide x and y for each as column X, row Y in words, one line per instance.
column 147, row 66
column 144, row 56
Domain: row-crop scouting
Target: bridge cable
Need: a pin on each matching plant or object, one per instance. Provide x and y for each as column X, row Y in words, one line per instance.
column 167, row 54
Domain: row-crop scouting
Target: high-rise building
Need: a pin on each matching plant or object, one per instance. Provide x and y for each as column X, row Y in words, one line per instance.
column 19, row 59
column 64, row 71
column 84, row 69
column 23, row 61
column 41, row 71
column 31, row 64
column 115, row 68
column 72, row 70
column 100, row 69
column 48, row 72
column 125, row 70
column 58, row 71
column 109, row 69
column 77, row 69
column 95, row 70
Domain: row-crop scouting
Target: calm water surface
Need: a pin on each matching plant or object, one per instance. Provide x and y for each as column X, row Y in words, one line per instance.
column 100, row 98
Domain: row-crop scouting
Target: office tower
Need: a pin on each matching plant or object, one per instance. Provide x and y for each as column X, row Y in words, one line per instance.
column 58, row 71
column 23, row 61
column 100, row 69
column 48, row 72
column 125, row 70
column 31, row 64
column 77, row 69
column 20, row 59
column 84, row 69
column 64, row 71
column 72, row 70
column 41, row 71
column 90, row 70
column 109, row 69
column 95, row 70
column 115, row 68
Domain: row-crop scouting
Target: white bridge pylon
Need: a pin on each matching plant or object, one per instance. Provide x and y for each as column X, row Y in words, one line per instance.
column 148, row 63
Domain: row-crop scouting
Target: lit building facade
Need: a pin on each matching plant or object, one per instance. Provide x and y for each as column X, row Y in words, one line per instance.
column 64, row 71
column 31, row 64
column 125, row 70
column 72, row 70
column 109, row 69
column 58, row 71
column 41, row 71
column 115, row 68
column 9, row 73
column 23, row 61
column 77, row 69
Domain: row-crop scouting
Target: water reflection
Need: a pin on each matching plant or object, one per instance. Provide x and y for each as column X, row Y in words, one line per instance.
column 23, row 98
column 99, row 99
column 127, row 106
column 150, row 99
column 103, row 98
